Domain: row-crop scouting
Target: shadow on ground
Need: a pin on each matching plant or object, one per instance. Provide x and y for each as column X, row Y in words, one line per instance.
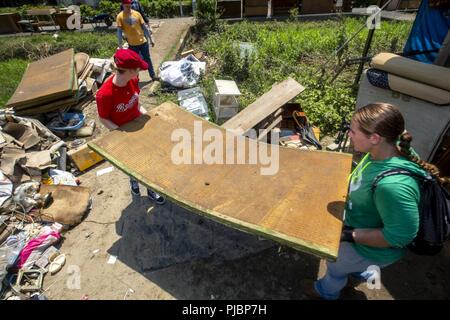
column 192, row 257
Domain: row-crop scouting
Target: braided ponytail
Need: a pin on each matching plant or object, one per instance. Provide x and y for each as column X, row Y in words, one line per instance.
column 404, row 147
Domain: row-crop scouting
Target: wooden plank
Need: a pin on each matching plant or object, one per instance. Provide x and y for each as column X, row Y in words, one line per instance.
column 264, row 133
column 83, row 157
column 301, row 205
column 265, row 105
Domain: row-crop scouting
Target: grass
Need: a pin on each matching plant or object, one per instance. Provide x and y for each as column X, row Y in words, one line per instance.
column 299, row 50
column 10, row 77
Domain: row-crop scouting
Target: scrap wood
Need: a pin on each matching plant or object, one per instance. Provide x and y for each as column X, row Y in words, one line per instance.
column 45, row 80
column 268, row 103
column 301, row 205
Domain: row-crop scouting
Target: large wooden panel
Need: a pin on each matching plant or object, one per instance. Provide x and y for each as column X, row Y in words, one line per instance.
column 300, row 206
column 45, row 81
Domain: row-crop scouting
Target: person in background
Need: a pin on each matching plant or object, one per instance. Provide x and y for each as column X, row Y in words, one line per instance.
column 118, row 101
column 138, row 36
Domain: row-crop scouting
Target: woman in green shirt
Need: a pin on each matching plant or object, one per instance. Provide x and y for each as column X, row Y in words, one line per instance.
column 377, row 225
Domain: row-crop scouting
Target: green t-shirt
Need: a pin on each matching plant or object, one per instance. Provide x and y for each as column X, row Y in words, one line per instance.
column 393, row 207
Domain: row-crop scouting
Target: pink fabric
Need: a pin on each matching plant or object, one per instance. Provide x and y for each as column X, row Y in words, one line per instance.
column 36, row 245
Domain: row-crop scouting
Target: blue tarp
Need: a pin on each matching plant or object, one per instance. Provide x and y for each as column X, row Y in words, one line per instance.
column 428, row 32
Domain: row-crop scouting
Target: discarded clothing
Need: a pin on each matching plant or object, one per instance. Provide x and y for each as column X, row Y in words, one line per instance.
column 35, row 247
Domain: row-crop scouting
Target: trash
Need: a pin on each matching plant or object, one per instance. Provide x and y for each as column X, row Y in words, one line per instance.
column 77, row 143
column 29, row 280
column 35, row 247
column 57, row 264
column 193, row 101
column 112, row 259
column 246, row 49
column 48, row 256
column 69, row 204
column 6, row 189
column 86, row 131
column 225, row 99
column 62, row 177
column 128, row 292
column 9, row 251
column 84, row 297
column 27, row 195
column 104, row 171
column 67, row 122
column 83, row 157
column 183, row 73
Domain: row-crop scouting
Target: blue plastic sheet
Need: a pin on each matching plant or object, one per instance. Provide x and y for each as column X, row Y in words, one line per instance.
column 428, row 32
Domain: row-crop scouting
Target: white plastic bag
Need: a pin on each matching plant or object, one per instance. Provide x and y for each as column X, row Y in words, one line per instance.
column 183, row 73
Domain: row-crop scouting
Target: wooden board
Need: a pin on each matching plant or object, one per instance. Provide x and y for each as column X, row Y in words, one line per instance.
column 300, row 206
column 265, row 105
column 45, row 80
column 83, row 157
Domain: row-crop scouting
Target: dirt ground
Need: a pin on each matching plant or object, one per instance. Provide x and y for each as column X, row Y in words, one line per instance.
column 166, row 252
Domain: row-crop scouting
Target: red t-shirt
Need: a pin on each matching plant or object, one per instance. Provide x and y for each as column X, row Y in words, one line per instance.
column 118, row 104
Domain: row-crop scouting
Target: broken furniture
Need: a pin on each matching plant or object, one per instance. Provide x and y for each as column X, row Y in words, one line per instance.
column 39, row 18
column 415, row 88
column 9, row 23
column 301, row 205
column 47, row 85
column 266, row 112
column 226, row 104
column 424, row 120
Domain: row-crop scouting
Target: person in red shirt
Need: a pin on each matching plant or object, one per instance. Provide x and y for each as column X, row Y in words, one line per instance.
column 118, row 101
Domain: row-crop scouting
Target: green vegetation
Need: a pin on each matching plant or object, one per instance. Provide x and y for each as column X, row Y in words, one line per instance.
column 12, row 71
column 299, row 50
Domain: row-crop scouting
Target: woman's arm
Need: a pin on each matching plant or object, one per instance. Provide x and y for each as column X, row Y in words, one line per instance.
column 370, row 237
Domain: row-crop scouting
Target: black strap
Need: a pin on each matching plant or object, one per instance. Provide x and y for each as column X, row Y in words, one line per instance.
column 395, row 171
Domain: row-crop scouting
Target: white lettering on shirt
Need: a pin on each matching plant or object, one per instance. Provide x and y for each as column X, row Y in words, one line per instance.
column 122, row 107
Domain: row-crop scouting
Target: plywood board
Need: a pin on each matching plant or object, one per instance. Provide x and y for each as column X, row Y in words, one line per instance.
column 300, row 205
column 265, row 105
column 45, row 80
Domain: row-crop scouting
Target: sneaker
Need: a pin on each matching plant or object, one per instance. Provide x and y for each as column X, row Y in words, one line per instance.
column 135, row 188
column 154, row 196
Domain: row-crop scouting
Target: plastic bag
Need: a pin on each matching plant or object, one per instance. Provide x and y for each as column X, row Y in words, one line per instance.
column 183, row 73
column 9, row 251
